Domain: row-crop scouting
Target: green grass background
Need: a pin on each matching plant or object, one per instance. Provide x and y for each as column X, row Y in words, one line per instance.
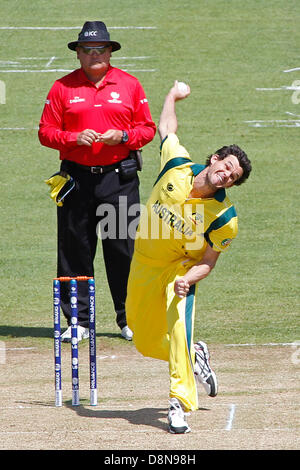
column 224, row 49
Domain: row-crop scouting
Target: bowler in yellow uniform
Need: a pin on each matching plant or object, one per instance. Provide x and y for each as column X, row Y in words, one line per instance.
column 187, row 222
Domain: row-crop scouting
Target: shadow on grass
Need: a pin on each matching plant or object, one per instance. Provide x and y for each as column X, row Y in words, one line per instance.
column 39, row 332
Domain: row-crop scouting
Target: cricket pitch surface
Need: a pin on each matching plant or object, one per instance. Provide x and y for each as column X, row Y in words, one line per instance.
column 257, row 406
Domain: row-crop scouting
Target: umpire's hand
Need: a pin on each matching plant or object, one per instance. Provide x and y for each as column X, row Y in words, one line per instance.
column 87, row 137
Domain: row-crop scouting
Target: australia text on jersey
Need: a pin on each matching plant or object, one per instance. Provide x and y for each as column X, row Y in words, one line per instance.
column 155, row 221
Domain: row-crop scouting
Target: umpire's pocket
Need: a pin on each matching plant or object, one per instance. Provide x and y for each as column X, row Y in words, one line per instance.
column 128, row 169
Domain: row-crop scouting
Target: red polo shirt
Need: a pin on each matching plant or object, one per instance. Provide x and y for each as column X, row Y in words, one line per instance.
column 74, row 104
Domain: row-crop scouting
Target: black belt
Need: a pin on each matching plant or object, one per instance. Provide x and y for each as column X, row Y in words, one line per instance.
column 96, row 170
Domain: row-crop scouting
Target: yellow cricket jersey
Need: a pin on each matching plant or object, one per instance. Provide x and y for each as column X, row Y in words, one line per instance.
column 172, row 225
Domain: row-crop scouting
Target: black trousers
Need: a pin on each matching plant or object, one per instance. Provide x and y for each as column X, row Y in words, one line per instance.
column 97, row 208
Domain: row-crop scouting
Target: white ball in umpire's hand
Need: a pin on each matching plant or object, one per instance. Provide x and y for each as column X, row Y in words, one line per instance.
column 182, row 87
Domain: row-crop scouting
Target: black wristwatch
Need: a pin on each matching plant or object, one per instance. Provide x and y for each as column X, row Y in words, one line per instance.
column 124, row 137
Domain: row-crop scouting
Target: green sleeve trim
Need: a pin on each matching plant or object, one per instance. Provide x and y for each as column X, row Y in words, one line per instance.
column 222, row 220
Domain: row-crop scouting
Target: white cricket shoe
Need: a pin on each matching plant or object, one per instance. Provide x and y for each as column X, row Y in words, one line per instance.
column 176, row 418
column 82, row 333
column 127, row 333
column 203, row 372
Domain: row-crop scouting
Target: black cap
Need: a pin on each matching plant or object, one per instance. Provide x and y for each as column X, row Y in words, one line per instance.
column 94, row 31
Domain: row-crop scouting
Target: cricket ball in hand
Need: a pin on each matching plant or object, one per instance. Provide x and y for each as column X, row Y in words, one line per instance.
column 182, row 87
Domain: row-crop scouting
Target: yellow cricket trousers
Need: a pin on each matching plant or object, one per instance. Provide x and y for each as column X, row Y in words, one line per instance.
column 162, row 323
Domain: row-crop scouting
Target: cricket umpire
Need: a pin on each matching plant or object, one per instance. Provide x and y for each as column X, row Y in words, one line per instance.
column 96, row 117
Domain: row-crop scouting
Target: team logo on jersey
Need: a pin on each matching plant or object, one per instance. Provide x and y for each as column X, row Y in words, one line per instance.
column 76, row 99
column 226, row 242
column 115, row 97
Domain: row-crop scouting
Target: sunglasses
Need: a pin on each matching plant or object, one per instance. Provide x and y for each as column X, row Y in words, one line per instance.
column 96, row 49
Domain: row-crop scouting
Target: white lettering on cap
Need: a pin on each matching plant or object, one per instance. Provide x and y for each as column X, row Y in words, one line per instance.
column 90, row 33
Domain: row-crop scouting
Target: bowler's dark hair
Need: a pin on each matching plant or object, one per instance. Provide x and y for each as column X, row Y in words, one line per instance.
column 242, row 157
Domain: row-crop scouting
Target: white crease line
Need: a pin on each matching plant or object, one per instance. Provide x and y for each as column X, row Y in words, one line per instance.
column 58, row 28
column 67, row 71
column 281, row 125
column 133, row 57
column 292, row 88
column 32, row 58
column 131, row 27
column 275, row 120
column 44, row 58
column 230, row 418
column 106, row 357
column 35, row 71
column 18, row 128
column 139, row 70
column 292, row 114
column 267, row 89
column 292, row 70
column 50, row 61
column 273, row 123
column 128, row 67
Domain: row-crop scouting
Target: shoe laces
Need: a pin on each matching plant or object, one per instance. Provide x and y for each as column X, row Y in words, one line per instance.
column 176, row 415
column 176, row 408
column 202, row 358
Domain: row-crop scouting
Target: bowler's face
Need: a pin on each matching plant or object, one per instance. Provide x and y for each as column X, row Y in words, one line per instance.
column 224, row 173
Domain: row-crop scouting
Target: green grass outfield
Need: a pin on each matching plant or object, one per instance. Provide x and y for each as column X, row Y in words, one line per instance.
column 228, row 51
